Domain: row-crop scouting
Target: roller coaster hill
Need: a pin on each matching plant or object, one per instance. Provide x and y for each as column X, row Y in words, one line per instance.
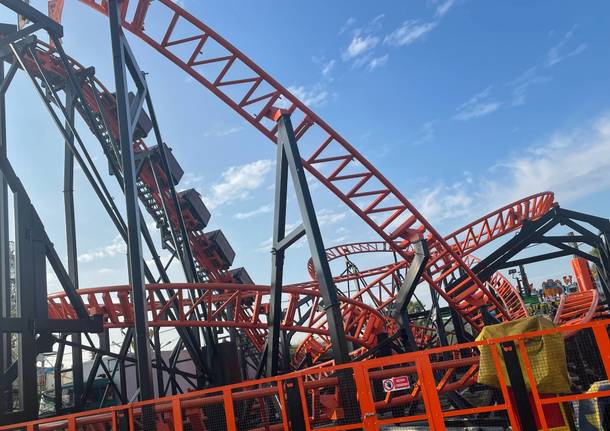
column 346, row 349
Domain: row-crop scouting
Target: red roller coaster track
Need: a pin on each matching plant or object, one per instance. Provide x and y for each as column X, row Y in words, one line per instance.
column 252, row 93
column 467, row 240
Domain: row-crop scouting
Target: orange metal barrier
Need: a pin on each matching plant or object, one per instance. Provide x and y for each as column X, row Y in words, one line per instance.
column 353, row 397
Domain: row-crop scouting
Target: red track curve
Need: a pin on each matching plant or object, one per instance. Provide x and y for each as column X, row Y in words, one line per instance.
column 252, row 93
column 113, row 303
column 466, row 240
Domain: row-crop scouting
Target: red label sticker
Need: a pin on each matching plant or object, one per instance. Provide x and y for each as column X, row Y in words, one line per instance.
column 396, row 384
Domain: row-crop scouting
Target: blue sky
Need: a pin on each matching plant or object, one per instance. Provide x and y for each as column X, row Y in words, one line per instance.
column 463, row 105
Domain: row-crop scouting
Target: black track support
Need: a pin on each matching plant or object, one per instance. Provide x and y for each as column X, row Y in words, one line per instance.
column 289, row 161
column 407, row 289
column 5, row 283
column 295, row 407
column 517, row 383
column 121, row 62
column 71, row 248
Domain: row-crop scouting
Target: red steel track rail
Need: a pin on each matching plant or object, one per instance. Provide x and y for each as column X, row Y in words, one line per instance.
column 252, row 93
column 245, row 87
column 466, row 240
column 247, row 301
column 575, row 308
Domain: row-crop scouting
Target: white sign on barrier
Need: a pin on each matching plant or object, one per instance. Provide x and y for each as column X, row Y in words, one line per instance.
column 396, row 384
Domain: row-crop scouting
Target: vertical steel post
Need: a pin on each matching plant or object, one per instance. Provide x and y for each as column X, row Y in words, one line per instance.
column 5, row 268
column 289, row 160
column 25, row 288
column 136, row 273
column 71, row 248
column 517, row 383
column 277, row 261
column 407, row 290
column 314, row 238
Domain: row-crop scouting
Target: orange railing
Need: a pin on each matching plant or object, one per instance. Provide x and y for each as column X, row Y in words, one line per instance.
column 353, row 396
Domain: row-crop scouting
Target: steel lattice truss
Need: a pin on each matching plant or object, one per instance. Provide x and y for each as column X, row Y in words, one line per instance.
column 217, row 299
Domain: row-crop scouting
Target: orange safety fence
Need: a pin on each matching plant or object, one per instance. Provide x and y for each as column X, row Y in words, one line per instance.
column 416, row 389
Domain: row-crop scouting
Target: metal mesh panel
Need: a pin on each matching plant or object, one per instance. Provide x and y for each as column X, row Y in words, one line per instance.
column 257, row 406
column 585, row 365
column 390, row 401
column 204, row 412
column 332, row 400
column 145, row 418
column 475, row 422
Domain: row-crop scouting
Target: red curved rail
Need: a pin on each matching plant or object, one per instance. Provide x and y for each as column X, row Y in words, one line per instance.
column 383, row 287
column 508, row 293
column 575, row 308
column 252, row 93
column 256, row 330
column 248, row 303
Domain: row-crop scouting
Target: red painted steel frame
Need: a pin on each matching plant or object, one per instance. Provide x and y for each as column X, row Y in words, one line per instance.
column 250, row 310
column 465, row 241
column 252, row 93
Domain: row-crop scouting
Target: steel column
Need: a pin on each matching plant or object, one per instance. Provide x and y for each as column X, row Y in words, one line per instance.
column 5, row 276
column 72, row 251
column 289, row 159
column 135, row 258
column 277, row 262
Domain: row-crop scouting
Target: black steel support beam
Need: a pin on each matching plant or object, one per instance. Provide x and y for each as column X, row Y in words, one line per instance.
column 410, row 282
column 122, row 62
column 25, row 288
column 72, row 252
column 39, row 19
column 272, row 349
column 289, row 161
column 5, row 281
column 517, row 383
column 534, row 259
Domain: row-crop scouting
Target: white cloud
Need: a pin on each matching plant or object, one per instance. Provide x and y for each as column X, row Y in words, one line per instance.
column 237, row 183
column 190, row 180
column 360, row 45
column 265, row 246
column 573, row 164
column 444, row 7
column 328, row 67
column 538, row 74
column 221, row 132
column 425, row 134
column 556, row 54
column 478, row 106
column 443, row 202
column 521, row 84
column 409, row 32
column 378, row 62
column 327, row 217
column 348, row 24
column 116, row 247
column 312, row 97
column 260, row 210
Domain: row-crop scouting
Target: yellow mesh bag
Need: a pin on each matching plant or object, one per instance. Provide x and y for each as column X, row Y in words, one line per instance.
column 546, row 354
